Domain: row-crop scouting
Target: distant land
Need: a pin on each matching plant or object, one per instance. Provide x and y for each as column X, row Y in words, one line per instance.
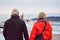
column 52, row 18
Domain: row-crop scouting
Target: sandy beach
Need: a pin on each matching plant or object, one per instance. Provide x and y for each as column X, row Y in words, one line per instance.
column 56, row 36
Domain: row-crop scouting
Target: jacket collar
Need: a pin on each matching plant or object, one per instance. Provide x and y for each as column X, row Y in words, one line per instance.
column 42, row 19
column 15, row 16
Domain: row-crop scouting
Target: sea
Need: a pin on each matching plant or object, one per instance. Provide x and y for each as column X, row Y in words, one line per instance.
column 55, row 26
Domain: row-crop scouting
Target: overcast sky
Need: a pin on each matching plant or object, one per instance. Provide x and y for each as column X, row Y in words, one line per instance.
column 30, row 6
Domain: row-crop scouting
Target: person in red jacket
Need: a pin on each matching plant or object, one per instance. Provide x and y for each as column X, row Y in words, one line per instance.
column 39, row 26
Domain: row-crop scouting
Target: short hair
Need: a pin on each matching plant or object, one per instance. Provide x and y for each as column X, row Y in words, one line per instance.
column 42, row 15
column 15, row 10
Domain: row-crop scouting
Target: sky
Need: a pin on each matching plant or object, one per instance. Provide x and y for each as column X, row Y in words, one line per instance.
column 50, row 7
column 30, row 6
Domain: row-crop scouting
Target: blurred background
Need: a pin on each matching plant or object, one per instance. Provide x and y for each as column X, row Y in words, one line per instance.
column 30, row 10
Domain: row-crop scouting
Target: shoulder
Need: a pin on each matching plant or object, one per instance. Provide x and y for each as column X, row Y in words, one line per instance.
column 39, row 23
column 42, row 23
column 22, row 21
column 47, row 22
column 7, row 21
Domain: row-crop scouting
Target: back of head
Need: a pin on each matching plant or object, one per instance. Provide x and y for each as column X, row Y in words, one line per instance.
column 42, row 15
column 15, row 11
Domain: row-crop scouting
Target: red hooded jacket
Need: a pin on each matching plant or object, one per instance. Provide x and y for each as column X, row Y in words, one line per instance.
column 40, row 26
